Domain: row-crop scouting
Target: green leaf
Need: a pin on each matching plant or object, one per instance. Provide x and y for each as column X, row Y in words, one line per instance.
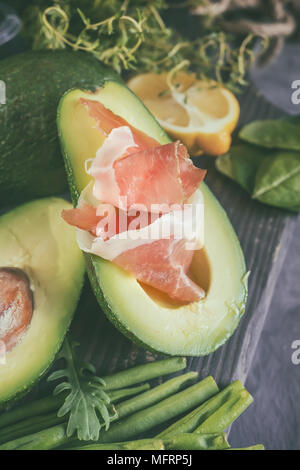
column 241, row 164
column 274, row 133
column 277, row 181
column 224, row 165
column 272, row 177
column 86, row 403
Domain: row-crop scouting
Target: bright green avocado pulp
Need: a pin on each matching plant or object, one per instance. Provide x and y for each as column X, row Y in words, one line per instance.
column 143, row 314
column 35, row 239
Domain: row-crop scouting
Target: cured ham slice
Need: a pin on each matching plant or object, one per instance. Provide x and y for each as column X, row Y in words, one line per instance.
column 185, row 223
column 107, row 121
column 163, row 264
column 158, row 254
column 84, row 217
column 116, row 145
column 105, row 221
column 163, row 175
column 139, row 211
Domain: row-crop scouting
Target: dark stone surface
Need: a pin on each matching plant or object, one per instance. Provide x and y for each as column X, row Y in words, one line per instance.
column 275, row 81
column 273, row 379
column 274, row 417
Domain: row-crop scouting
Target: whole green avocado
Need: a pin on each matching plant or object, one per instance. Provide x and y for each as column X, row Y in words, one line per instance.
column 31, row 164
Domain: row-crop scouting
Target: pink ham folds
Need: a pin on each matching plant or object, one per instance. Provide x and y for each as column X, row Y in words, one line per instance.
column 107, row 121
column 162, row 175
column 143, row 210
column 158, row 254
column 163, row 264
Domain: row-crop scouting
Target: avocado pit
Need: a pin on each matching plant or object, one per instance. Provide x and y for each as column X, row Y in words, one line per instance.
column 16, row 306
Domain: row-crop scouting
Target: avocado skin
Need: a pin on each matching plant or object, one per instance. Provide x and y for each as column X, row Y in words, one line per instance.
column 31, row 165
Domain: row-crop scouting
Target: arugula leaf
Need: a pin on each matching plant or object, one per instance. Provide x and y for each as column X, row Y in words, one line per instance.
column 87, row 403
column 277, row 181
column 273, row 133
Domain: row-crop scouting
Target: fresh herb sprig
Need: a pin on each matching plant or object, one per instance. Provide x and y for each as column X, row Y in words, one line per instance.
column 86, row 399
column 132, row 35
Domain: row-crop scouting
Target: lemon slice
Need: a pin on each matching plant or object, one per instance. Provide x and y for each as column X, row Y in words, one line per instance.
column 200, row 114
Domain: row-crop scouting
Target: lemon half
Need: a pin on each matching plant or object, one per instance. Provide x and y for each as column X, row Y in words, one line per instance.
column 200, row 114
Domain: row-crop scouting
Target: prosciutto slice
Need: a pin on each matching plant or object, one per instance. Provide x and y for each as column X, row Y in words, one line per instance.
column 163, row 176
column 160, row 176
column 154, row 188
column 107, row 121
column 163, row 264
column 159, row 253
column 106, row 221
column 84, row 217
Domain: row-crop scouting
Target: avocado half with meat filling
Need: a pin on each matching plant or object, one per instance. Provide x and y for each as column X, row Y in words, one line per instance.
column 41, row 275
column 144, row 314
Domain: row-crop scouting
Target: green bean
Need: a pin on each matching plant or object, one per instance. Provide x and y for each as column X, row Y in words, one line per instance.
column 46, row 439
column 30, row 426
column 118, row 395
column 144, row 372
column 38, row 409
column 161, row 392
column 191, row 421
column 147, row 419
column 226, row 414
column 113, row 384
column 37, row 423
column 28, row 410
column 141, row 444
column 202, row 442
column 129, row 406
column 155, row 395
column 146, row 399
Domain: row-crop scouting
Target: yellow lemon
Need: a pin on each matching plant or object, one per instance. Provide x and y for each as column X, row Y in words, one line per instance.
column 200, row 114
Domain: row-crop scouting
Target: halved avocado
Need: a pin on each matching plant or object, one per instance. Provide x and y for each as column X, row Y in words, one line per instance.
column 41, row 275
column 142, row 313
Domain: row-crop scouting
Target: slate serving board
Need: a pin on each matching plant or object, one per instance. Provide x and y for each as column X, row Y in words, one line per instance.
column 264, row 233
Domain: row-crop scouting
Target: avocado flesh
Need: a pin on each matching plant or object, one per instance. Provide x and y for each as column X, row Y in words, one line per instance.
column 34, row 239
column 141, row 313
